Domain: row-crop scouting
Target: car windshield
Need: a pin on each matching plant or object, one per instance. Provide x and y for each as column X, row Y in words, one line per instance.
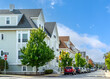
column 68, row 67
column 76, row 68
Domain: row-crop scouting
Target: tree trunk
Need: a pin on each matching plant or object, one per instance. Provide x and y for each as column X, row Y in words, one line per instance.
column 36, row 70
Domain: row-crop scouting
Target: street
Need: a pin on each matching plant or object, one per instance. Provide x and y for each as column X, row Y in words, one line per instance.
column 93, row 75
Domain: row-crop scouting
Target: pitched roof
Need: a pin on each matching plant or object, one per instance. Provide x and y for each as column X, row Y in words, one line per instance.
column 64, row 38
column 26, row 21
column 49, row 27
column 71, row 43
column 62, row 43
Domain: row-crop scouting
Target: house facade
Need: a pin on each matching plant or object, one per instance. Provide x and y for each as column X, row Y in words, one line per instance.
column 67, row 46
column 15, row 26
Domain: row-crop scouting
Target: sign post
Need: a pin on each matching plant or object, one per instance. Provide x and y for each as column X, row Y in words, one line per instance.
column 5, row 57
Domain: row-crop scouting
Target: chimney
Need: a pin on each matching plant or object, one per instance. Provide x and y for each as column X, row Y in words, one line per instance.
column 12, row 6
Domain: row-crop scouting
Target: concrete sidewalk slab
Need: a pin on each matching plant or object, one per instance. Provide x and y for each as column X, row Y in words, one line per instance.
column 107, row 74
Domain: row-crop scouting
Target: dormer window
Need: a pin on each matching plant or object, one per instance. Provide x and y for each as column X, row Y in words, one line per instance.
column 7, row 20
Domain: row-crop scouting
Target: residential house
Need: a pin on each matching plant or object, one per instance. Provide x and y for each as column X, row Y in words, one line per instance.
column 67, row 46
column 91, row 62
column 83, row 53
column 15, row 26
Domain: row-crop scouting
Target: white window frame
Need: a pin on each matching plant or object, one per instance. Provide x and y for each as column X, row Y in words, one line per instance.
column 22, row 37
column 22, row 69
column 6, row 20
column 18, row 38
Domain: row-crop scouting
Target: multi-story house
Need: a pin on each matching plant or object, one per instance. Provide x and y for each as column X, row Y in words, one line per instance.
column 15, row 26
column 83, row 53
column 67, row 46
column 91, row 62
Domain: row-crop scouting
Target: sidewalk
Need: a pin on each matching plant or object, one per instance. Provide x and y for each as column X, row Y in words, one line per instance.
column 46, row 75
column 107, row 74
column 52, row 75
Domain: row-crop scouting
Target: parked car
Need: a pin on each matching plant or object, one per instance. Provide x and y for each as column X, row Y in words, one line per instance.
column 84, row 70
column 78, row 70
column 69, row 70
column 88, row 70
column 92, row 69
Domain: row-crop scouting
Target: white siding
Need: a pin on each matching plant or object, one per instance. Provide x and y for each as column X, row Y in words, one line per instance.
column 8, row 44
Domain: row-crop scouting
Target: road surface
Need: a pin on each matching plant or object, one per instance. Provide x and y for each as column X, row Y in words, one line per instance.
column 93, row 75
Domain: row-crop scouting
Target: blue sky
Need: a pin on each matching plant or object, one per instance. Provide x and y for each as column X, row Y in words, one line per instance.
column 86, row 19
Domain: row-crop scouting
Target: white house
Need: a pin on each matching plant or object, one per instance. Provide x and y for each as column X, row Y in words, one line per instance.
column 15, row 26
column 67, row 46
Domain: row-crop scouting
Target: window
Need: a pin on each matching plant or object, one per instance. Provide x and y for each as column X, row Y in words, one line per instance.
column 19, row 55
column 40, row 25
column 7, row 20
column 19, row 36
column 57, row 59
column 54, row 36
column 1, row 52
column 24, row 68
column 2, row 36
column 24, row 38
column 52, row 48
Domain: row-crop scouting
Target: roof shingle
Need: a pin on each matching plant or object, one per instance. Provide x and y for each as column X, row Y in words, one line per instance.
column 26, row 21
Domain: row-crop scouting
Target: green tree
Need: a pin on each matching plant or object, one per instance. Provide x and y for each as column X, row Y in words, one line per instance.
column 2, row 64
column 107, row 60
column 36, row 53
column 97, row 66
column 65, row 60
column 82, row 62
column 77, row 59
column 89, row 66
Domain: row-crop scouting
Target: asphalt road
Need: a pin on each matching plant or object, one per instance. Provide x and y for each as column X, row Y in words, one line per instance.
column 93, row 75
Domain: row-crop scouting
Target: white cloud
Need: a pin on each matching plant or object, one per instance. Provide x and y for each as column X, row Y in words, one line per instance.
column 108, row 9
column 53, row 2
column 49, row 3
column 91, row 44
column 77, row 25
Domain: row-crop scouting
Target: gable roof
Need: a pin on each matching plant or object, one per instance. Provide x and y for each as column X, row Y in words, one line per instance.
column 71, row 43
column 25, row 21
column 49, row 27
column 62, row 43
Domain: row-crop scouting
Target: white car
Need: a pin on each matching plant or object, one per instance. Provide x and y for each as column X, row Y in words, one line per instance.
column 82, row 70
column 85, row 70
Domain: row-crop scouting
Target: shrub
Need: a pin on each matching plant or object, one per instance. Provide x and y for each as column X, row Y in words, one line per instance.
column 49, row 71
column 2, row 64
